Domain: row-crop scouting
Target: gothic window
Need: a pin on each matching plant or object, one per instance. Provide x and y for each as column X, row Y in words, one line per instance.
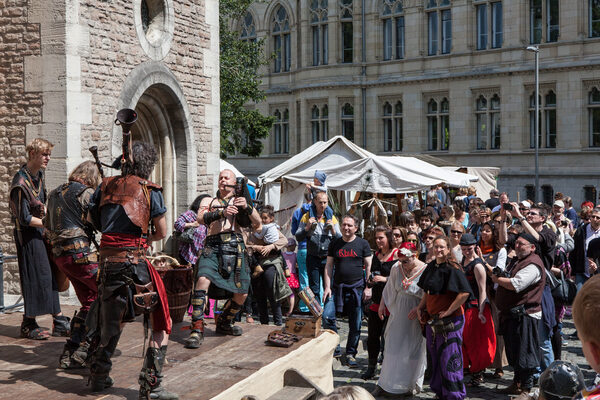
column 319, row 29
column 348, row 121
column 438, row 125
column 439, row 27
column 543, row 21
column 594, row 18
column 392, row 16
column 487, row 115
column 319, row 123
column 547, row 121
column 281, row 132
column 547, row 194
column 392, row 127
column 346, row 14
column 248, row 28
column 594, row 117
column 280, row 30
column 489, row 24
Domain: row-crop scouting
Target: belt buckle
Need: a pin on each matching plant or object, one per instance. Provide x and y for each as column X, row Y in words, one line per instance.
column 226, row 237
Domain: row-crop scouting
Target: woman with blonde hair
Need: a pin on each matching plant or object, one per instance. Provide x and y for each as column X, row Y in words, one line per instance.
column 348, row 392
column 456, row 231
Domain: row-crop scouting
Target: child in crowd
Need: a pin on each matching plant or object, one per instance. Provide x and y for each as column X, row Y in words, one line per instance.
column 289, row 255
column 268, row 234
column 586, row 308
column 317, row 186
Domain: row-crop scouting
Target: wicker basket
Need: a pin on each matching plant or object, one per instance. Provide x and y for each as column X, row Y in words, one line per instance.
column 178, row 284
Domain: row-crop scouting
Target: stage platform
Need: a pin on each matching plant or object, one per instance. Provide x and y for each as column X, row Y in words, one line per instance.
column 224, row 368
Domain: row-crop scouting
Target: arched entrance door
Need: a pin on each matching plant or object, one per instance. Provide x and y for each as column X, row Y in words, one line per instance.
column 159, row 123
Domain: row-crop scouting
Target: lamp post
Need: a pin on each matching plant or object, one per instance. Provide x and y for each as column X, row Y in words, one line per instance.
column 536, row 50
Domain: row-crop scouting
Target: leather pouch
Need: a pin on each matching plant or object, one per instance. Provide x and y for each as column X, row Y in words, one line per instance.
column 146, row 298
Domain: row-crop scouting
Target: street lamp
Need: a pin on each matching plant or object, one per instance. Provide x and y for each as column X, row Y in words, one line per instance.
column 536, row 50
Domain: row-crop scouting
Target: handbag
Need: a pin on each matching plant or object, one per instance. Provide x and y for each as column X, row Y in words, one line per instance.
column 566, row 291
column 187, row 236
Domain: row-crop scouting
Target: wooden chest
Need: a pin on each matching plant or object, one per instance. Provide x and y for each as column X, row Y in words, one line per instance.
column 303, row 325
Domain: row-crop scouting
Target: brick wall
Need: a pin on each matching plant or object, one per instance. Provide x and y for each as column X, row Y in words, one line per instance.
column 18, row 39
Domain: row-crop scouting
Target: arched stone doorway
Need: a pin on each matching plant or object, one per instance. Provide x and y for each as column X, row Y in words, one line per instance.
column 164, row 121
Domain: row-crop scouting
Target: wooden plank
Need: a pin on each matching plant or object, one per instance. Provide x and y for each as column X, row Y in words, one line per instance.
column 28, row 368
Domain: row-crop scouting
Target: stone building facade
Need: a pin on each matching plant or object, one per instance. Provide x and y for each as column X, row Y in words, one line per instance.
column 449, row 78
column 66, row 67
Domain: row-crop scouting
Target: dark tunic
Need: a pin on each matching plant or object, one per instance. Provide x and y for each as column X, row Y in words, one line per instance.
column 39, row 290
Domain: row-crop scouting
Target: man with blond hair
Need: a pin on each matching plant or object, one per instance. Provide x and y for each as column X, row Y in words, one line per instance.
column 27, row 207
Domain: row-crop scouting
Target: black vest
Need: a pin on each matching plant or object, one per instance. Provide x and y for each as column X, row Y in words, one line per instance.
column 65, row 210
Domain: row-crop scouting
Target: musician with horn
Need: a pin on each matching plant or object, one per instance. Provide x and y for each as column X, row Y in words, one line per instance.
column 123, row 208
column 70, row 236
column 222, row 270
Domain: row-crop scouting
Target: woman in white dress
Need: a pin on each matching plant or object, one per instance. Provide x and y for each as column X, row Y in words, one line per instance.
column 404, row 358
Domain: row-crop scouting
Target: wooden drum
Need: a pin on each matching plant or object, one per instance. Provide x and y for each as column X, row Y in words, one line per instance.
column 178, row 284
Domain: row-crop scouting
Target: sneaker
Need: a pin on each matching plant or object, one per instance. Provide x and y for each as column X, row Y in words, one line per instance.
column 351, row 362
column 337, row 353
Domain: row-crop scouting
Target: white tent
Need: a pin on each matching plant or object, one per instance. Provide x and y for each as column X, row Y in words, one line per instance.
column 321, row 155
column 225, row 165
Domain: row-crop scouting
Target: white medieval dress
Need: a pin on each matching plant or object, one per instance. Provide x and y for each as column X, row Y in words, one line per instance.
column 404, row 358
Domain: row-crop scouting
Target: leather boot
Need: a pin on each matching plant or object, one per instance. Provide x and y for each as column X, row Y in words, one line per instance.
column 61, row 326
column 196, row 336
column 151, row 376
column 369, row 373
column 226, row 319
column 101, row 365
column 66, row 360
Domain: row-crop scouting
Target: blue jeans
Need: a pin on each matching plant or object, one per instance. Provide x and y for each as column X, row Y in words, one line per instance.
column 302, row 275
column 315, row 267
column 580, row 279
column 545, row 336
column 354, row 321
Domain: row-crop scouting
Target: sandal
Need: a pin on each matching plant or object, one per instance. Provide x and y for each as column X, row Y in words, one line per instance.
column 34, row 332
column 498, row 373
column 476, row 381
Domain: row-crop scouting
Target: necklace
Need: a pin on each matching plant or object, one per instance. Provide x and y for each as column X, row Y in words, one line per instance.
column 408, row 280
column 36, row 191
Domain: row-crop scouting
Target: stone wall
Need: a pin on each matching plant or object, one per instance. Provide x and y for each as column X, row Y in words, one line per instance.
column 18, row 39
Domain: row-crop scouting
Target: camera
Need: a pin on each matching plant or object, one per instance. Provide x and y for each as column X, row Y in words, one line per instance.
column 507, row 207
column 500, row 273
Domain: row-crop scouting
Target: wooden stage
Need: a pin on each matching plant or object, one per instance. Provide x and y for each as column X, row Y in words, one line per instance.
column 220, row 369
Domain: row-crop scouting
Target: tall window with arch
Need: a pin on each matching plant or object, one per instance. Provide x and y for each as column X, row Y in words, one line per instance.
column 348, row 121
column 594, row 18
column 543, row 21
column 392, row 16
column 281, row 132
column 438, row 125
column 280, row 30
column 319, row 123
column 347, row 36
column 439, row 27
column 547, row 121
column 594, row 117
column 487, row 115
column 489, row 24
column 392, row 126
column 319, row 29
column 248, row 28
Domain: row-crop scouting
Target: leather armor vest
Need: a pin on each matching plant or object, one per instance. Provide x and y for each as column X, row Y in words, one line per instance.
column 36, row 206
column 133, row 194
column 65, row 210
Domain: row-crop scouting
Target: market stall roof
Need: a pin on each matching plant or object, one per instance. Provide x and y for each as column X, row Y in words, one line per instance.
column 377, row 174
column 321, row 155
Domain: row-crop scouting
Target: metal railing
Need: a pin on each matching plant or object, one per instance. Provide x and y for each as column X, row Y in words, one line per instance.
column 4, row 308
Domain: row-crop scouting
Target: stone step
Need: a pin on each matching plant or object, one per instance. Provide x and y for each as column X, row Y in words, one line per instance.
column 294, row 393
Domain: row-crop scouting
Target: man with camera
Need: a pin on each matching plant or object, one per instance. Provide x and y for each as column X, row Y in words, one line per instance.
column 519, row 300
column 222, row 266
column 582, row 265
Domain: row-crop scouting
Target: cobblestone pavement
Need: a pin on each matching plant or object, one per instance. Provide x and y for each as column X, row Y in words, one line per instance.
column 344, row 375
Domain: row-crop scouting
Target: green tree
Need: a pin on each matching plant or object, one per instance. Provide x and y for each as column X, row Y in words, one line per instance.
column 241, row 128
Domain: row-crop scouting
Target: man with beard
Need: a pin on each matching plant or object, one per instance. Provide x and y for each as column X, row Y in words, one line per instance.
column 222, row 266
column 70, row 235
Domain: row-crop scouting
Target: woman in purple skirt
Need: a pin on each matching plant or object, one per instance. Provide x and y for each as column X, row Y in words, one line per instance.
column 446, row 289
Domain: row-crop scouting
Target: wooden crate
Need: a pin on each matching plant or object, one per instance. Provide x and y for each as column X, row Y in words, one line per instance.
column 303, row 325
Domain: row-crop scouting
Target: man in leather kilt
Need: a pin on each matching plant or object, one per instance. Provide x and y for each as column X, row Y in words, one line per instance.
column 70, row 235
column 122, row 208
column 222, row 269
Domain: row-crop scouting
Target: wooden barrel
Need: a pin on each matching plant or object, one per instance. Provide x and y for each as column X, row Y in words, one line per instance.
column 178, row 284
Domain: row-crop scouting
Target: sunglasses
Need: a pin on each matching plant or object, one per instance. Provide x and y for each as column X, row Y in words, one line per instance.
column 594, row 217
column 456, row 232
column 412, row 240
column 397, row 235
column 430, row 238
column 532, row 213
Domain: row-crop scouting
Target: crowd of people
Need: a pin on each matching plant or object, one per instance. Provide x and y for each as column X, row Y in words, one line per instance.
column 455, row 287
